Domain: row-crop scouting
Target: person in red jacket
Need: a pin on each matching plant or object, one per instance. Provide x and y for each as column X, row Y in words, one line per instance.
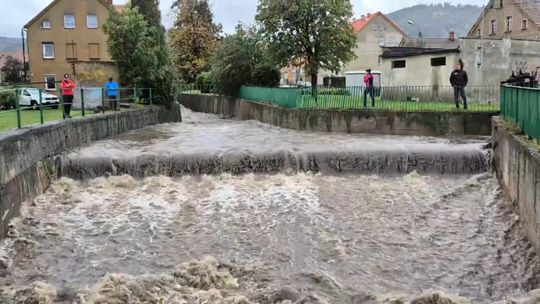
column 368, row 81
column 68, row 88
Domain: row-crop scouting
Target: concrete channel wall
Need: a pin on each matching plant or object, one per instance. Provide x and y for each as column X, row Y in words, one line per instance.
column 517, row 163
column 351, row 121
column 28, row 159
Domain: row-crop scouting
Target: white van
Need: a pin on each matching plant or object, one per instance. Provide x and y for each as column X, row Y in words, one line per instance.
column 29, row 97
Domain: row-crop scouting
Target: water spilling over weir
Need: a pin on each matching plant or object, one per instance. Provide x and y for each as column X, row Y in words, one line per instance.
column 432, row 222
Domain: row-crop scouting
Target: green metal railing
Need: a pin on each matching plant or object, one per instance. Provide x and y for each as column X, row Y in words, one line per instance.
column 39, row 106
column 283, row 97
column 522, row 106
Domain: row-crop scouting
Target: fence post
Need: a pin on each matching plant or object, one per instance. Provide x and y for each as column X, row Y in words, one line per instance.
column 103, row 100
column 62, row 108
column 150, row 93
column 41, row 107
column 134, row 94
column 82, row 101
column 18, row 107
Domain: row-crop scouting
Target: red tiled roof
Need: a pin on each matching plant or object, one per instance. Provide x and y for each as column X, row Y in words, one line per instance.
column 360, row 24
column 119, row 7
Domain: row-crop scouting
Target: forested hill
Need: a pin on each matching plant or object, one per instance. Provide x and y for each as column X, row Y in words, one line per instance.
column 437, row 20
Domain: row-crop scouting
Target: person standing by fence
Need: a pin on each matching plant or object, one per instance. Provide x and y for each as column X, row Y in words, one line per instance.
column 459, row 80
column 112, row 89
column 68, row 88
column 368, row 81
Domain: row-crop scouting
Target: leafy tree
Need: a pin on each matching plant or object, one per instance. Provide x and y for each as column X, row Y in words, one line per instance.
column 12, row 70
column 266, row 75
column 241, row 59
column 150, row 11
column 193, row 38
column 234, row 61
column 317, row 34
column 142, row 61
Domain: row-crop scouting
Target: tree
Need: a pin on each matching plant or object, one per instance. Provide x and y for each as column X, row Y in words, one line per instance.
column 316, row 34
column 142, row 61
column 12, row 70
column 150, row 10
column 234, row 61
column 239, row 60
column 194, row 37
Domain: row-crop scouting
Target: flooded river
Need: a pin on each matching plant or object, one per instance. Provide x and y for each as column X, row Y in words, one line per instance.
column 288, row 237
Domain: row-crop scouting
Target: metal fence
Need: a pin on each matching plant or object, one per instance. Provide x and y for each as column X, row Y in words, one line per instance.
column 522, row 106
column 29, row 104
column 401, row 98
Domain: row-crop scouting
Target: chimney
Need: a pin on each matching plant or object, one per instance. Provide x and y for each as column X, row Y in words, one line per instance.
column 363, row 16
column 452, row 36
column 369, row 15
column 109, row 2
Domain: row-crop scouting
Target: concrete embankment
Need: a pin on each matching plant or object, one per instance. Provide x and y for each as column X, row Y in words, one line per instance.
column 517, row 162
column 348, row 121
column 27, row 156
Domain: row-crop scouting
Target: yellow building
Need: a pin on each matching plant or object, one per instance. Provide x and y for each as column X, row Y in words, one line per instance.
column 373, row 31
column 508, row 19
column 67, row 38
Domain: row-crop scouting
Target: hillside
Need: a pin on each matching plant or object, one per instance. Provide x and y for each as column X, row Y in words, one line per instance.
column 10, row 45
column 437, row 20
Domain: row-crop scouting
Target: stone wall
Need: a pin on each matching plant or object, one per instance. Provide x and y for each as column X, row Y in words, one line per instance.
column 517, row 163
column 352, row 121
column 27, row 156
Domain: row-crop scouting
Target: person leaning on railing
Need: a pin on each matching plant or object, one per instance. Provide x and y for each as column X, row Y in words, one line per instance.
column 68, row 88
column 459, row 80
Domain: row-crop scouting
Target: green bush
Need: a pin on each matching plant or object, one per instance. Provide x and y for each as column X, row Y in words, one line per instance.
column 334, row 91
column 204, row 82
column 266, row 75
column 7, row 99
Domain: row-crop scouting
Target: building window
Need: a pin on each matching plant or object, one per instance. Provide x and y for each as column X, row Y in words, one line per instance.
column 479, row 32
column 71, row 51
column 394, row 41
column 69, row 21
column 48, row 50
column 93, row 49
column 381, row 41
column 438, row 61
column 508, row 24
column 399, row 64
column 92, row 22
column 50, row 82
column 493, row 27
column 524, row 24
column 46, row 24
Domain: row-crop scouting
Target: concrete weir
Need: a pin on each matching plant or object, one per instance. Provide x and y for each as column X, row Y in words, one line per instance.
column 206, row 144
column 27, row 156
column 421, row 123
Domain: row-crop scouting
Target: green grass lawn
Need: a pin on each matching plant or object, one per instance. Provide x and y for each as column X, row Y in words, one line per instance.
column 8, row 119
column 353, row 102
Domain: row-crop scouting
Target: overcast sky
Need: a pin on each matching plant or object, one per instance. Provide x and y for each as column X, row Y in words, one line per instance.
column 15, row 13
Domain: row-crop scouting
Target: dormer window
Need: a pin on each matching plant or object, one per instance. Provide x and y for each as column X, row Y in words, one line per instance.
column 46, row 24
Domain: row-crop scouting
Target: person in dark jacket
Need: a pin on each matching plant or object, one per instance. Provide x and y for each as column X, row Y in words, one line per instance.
column 368, row 81
column 459, row 80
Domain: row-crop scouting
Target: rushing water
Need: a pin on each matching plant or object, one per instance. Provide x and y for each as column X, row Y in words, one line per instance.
column 426, row 222
column 205, row 144
column 323, row 238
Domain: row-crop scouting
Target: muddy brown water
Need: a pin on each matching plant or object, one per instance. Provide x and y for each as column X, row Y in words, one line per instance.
column 288, row 237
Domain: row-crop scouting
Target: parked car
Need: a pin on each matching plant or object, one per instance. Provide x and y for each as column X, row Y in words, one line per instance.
column 29, row 97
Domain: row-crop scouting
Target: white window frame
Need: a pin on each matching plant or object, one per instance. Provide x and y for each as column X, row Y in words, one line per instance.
column 493, row 27
column 43, row 45
column 44, row 23
column 526, row 23
column 47, row 82
column 68, row 26
column 381, row 41
column 508, row 23
column 88, row 21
